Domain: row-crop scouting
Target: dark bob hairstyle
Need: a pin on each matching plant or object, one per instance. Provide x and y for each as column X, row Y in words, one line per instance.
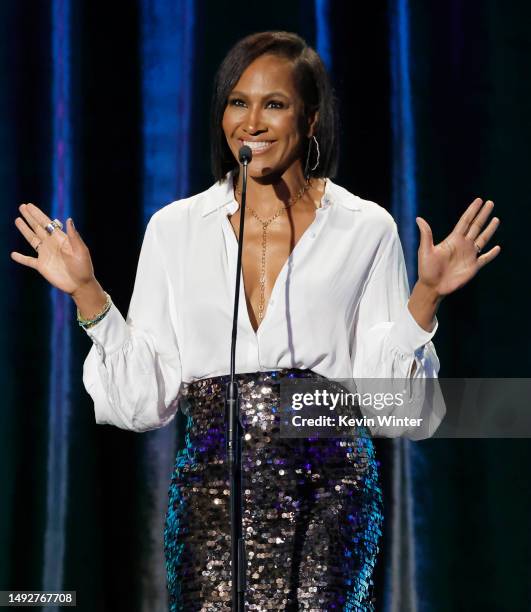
column 311, row 82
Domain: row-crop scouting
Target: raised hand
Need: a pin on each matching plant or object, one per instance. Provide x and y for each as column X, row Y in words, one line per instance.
column 449, row 265
column 62, row 258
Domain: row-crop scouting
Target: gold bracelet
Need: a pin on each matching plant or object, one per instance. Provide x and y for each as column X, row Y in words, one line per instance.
column 87, row 323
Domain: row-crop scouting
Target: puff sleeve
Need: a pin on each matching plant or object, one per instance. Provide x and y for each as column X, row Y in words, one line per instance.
column 133, row 370
column 389, row 343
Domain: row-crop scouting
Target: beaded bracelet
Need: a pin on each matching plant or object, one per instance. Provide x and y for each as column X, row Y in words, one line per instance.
column 88, row 323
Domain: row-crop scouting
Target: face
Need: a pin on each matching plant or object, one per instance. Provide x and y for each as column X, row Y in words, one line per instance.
column 263, row 111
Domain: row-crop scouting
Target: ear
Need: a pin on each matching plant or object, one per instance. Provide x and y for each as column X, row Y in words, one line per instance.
column 313, row 120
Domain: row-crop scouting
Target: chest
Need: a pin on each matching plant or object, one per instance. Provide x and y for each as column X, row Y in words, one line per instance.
column 267, row 249
column 314, row 276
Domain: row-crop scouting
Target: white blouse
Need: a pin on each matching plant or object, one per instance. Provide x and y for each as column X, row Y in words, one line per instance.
column 338, row 307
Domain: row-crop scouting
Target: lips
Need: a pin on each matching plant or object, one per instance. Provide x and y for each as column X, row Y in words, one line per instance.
column 258, row 146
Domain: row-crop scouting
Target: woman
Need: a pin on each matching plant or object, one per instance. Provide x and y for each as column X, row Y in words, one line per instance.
column 324, row 295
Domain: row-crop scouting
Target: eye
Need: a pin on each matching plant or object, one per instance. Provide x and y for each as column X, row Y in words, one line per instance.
column 236, row 102
column 275, row 104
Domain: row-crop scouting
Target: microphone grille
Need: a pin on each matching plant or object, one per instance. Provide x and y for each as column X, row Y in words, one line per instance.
column 245, row 154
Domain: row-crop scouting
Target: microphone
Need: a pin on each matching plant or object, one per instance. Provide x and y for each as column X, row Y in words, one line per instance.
column 234, row 427
column 245, row 155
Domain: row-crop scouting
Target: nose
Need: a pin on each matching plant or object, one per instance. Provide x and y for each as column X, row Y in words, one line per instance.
column 253, row 121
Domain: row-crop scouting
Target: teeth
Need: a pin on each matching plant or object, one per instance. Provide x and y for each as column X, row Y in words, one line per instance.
column 257, row 146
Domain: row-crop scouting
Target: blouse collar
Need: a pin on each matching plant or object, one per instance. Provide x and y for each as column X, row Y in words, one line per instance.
column 222, row 194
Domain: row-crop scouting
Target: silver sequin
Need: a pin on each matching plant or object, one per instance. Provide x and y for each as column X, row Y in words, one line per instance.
column 312, row 509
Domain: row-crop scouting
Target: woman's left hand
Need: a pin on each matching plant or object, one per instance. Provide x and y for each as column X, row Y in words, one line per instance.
column 449, row 265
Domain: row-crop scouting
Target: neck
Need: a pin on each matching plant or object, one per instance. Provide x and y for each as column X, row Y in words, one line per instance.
column 268, row 193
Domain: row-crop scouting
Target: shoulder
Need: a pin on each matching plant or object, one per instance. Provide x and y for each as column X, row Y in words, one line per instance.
column 367, row 216
column 193, row 207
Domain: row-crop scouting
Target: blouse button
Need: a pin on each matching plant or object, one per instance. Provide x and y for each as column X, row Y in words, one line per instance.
column 312, row 235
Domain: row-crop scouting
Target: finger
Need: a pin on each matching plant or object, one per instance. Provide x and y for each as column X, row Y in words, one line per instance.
column 75, row 238
column 468, row 216
column 43, row 220
column 478, row 223
column 489, row 256
column 25, row 260
column 426, row 235
column 487, row 233
column 27, row 232
column 25, row 211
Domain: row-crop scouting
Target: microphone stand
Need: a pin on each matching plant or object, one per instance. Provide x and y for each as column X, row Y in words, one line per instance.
column 234, row 429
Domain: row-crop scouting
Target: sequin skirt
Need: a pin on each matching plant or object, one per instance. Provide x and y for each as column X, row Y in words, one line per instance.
column 312, row 508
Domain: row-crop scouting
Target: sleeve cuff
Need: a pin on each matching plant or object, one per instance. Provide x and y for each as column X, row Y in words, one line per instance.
column 111, row 333
column 407, row 335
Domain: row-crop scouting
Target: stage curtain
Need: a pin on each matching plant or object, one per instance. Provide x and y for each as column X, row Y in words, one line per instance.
column 132, row 116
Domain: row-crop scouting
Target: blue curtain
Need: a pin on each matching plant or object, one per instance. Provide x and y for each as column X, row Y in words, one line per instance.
column 105, row 113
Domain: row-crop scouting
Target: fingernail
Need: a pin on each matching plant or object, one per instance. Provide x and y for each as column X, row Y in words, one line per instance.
column 72, row 223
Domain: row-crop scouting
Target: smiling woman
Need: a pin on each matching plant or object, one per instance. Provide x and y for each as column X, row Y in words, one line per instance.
column 324, row 295
column 263, row 112
column 293, row 80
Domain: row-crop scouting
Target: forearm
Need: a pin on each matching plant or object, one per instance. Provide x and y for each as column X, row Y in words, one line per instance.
column 90, row 299
column 423, row 305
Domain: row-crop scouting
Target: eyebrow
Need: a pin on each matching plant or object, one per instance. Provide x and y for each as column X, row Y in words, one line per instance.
column 268, row 95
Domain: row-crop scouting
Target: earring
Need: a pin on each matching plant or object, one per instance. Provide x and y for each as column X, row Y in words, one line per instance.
column 307, row 168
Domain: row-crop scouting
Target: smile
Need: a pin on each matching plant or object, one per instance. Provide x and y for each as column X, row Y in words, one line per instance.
column 258, row 147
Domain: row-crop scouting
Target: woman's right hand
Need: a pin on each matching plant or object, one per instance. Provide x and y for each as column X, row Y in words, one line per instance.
column 63, row 259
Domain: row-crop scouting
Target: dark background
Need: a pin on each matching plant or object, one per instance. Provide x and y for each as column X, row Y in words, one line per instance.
column 470, row 81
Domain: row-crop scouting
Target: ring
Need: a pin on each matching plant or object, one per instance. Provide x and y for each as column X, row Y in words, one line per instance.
column 478, row 248
column 54, row 224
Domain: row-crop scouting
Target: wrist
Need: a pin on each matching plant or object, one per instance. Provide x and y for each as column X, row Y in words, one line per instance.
column 90, row 287
column 427, row 294
column 89, row 298
column 423, row 305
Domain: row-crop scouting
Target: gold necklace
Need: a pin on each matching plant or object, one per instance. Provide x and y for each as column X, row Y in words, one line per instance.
column 265, row 224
